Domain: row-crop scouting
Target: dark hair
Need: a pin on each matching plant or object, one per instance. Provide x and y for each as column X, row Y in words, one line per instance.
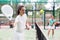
column 19, row 8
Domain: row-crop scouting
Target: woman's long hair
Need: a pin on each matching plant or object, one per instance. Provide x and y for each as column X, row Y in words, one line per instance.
column 19, row 8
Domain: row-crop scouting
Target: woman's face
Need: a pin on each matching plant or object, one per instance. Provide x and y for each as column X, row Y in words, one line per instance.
column 52, row 17
column 22, row 11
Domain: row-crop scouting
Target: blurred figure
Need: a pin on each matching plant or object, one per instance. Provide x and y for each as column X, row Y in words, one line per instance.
column 51, row 25
column 20, row 23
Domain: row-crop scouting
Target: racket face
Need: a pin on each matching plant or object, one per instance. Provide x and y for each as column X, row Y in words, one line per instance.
column 7, row 11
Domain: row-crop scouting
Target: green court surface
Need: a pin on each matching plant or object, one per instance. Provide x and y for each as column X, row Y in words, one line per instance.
column 56, row 34
column 8, row 34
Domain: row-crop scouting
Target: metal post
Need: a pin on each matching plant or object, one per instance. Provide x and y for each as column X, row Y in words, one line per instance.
column 32, row 20
column 11, row 3
column 53, row 8
column 33, row 24
column 59, row 15
column 35, row 14
column 44, row 19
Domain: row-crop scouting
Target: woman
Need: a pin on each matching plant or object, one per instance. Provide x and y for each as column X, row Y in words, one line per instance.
column 20, row 23
column 51, row 25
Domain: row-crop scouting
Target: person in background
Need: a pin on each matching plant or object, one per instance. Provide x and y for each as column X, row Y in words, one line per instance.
column 51, row 24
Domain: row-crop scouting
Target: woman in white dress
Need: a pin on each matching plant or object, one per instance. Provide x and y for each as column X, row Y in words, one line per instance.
column 20, row 23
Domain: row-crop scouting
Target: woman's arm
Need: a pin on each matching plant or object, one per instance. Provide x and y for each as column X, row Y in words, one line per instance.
column 54, row 23
column 27, row 25
column 16, row 21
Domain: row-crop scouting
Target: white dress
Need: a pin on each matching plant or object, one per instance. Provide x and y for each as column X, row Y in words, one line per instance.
column 20, row 27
